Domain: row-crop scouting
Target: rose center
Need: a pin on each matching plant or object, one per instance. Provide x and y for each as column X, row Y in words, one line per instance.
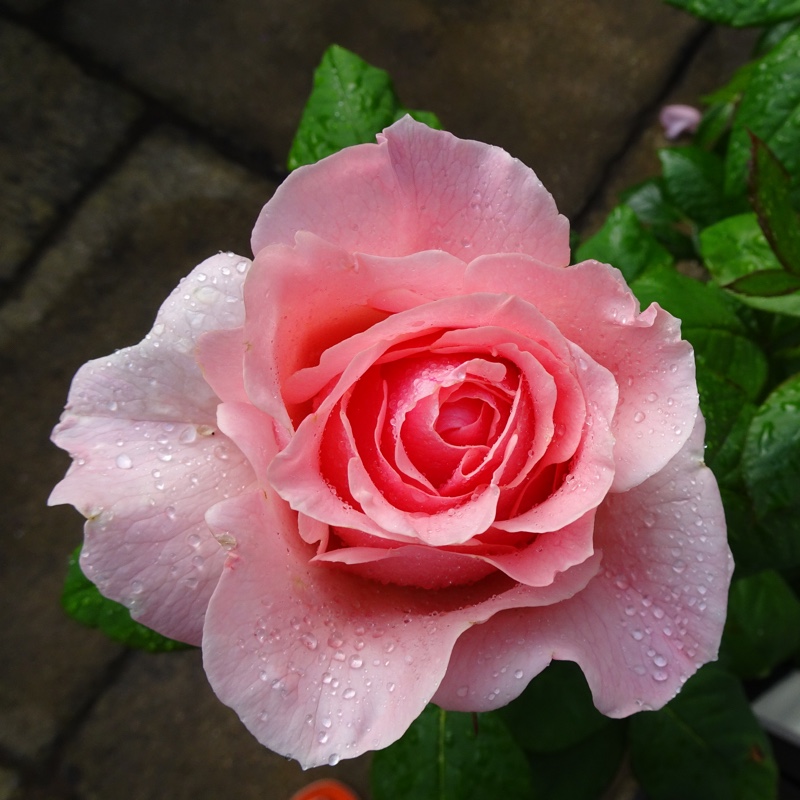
column 464, row 422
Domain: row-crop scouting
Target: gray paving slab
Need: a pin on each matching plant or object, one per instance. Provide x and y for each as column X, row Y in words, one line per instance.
column 168, row 736
column 24, row 6
column 171, row 204
column 59, row 128
column 556, row 84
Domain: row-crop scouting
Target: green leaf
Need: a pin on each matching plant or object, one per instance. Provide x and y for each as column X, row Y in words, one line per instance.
column 771, row 464
column 697, row 305
column 560, row 695
column 625, row 244
column 350, row 103
column 734, row 358
column 655, row 210
column 599, row 757
column 770, row 108
column 446, row 755
column 724, row 405
column 740, row 13
column 740, row 259
column 704, row 745
column 774, row 35
column 82, row 601
column 694, row 181
column 770, row 192
column 763, row 625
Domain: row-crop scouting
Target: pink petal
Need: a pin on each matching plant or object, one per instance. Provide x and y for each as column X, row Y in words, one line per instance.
column 653, row 368
column 302, row 300
column 141, row 427
column 410, row 565
column 418, row 189
column 144, row 488
column 321, row 665
column 678, row 119
column 642, row 626
column 220, row 355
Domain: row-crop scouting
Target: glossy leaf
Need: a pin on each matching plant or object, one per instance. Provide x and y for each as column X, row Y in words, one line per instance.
column 770, row 192
column 763, row 625
column 696, row 304
column 704, row 745
column 770, row 108
column 771, row 462
column 583, row 771
column 740, row 13
column 446, row 755
column 82, row 600
column 625, row 243
column 559, row 695
column 740, row 259
column 351, row 101
column 694, row 181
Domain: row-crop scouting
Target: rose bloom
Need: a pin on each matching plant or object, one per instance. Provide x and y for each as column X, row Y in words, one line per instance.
column 405, row 455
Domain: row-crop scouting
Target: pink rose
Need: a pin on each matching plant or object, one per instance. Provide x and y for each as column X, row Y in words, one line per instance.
column 406, row 455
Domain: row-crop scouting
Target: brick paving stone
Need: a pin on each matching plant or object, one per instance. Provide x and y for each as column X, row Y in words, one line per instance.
column 167, row 735
column 556, row 84
column 59, row 127
column 169, row 206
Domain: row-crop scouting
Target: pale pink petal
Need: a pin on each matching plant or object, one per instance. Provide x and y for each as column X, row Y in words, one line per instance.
column 144, row 488
column 321, row 665
column 159, row 379
column 418, row 189
column 678, row 119
column 140, row 425
column 641, row 627
column 654, row 369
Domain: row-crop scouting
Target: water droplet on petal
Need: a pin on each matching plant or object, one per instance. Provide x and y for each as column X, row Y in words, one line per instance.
column 124, row 461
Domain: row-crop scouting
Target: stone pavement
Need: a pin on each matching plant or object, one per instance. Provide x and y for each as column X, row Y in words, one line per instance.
column 139, row 137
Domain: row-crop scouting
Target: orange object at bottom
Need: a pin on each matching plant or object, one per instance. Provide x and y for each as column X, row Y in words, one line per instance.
column 326, row 789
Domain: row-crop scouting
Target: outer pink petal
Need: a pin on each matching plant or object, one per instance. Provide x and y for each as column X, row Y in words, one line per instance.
column 418, row 189
column 144, row 488
column 642, row 626
column 321, row 665
column 592, row 306
column 141, row 427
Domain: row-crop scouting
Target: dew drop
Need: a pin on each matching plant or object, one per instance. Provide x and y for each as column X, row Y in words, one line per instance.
column 660, row 661
column 660, row 676
column 390, row 687
column 309, row 641
column 356, row 662
column 333, row 759
column 638, row 416
column 518, row 674
column 322, row 737
column 124, row 461
column 349, row 694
